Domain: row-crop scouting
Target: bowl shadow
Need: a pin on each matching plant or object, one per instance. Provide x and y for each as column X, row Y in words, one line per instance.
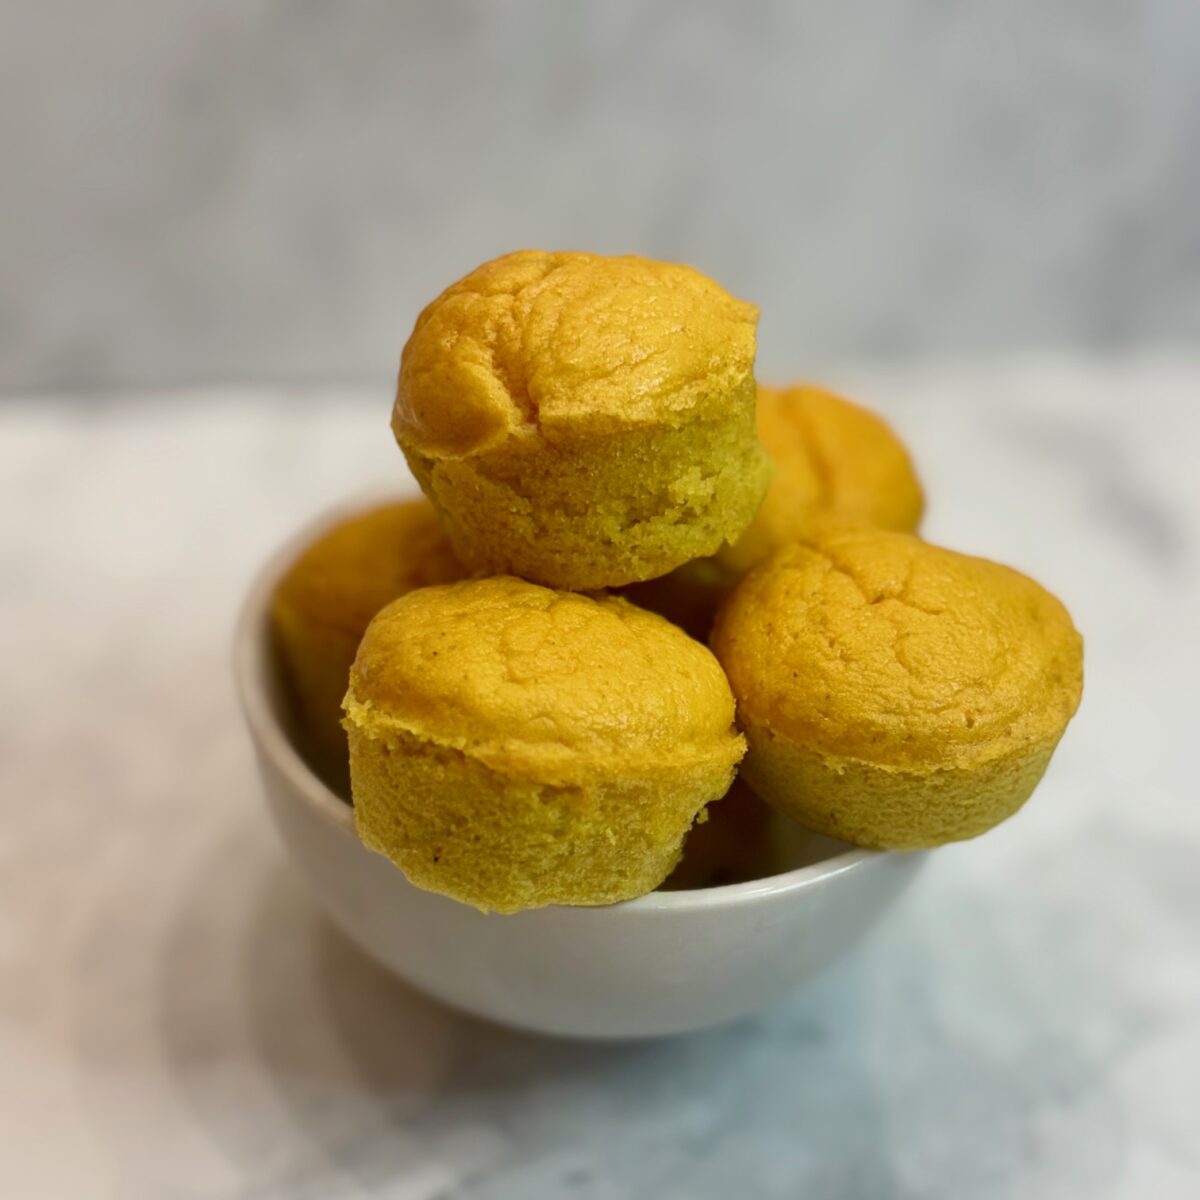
column 344, row 1073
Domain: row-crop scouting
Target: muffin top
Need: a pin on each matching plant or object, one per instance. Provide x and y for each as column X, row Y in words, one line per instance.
column 874, row 645
column 345, row 577
column 568, row 344
column 831, row 457
column 512, row 672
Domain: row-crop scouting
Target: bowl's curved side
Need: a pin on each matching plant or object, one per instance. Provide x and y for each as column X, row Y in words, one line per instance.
column 665, row 963
column 615, row 972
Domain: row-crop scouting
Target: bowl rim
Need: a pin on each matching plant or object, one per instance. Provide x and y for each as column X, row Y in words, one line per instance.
column 251, row 640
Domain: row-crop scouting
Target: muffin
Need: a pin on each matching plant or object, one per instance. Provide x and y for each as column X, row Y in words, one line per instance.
column 326, row 600
column 512, row 746
column 582, row 421
column 894, row 694
column 832, row 458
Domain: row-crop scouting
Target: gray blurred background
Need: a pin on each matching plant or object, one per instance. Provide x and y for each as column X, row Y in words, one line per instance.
column 252, row 191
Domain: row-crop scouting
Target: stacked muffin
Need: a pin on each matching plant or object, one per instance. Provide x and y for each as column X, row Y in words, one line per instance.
column 520, row 735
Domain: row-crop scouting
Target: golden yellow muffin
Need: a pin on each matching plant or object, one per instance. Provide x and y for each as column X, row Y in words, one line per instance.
column 324, row 603
column 895, row 694
column 832, row 458
column 513, row 746
column 582, row 421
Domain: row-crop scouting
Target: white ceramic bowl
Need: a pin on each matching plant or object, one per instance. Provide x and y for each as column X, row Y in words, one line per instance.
column 664, row 963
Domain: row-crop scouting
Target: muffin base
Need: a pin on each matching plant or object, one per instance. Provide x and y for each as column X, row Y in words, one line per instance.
column 459, row 826
column 890, row 808
column 613, row 508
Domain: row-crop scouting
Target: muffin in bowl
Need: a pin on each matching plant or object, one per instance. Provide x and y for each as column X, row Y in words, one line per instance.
column 513, row 746
column 583, row 421
column 895, row 694
column 324, row 602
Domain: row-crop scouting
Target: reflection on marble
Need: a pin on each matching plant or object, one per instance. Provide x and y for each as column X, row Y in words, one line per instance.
column 177, row 1020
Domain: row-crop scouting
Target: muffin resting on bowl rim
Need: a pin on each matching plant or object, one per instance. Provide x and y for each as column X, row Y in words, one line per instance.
column 583, row 421
column 513, row 746
column 895, row 694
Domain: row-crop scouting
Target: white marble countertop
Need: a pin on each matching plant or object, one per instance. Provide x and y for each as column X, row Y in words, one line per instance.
column 177, row 1020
